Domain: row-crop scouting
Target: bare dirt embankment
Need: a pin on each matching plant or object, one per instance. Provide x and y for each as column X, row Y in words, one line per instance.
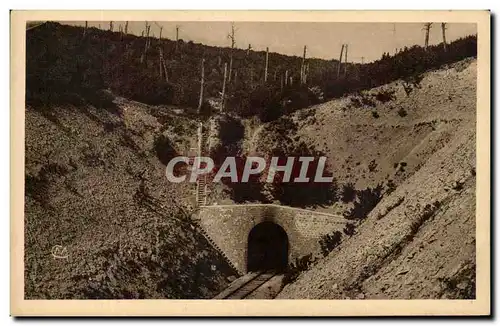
column 97, row 197
column 419, row 241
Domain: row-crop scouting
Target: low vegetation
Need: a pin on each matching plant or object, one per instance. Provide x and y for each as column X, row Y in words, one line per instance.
column 328, row 242
column 366, row 200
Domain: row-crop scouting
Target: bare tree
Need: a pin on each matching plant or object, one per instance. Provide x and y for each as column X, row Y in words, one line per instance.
column 202, row 84
column 427, row 28
column 176, row 38
column 111, row 26
column 267, row 64
column 126, row 27
column 345, row 60
column 303, row 66
column 163, row 66
column 233, row 42
column 306, row 72
column 249, row 48
column 340, row 61
column 85, row 29
column 443, row 30
column 223, row 94
column 251, row 77
column 146, row 45
column 148, row 40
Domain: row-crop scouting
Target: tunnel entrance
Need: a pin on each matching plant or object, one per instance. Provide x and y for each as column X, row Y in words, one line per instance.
column 267, row 248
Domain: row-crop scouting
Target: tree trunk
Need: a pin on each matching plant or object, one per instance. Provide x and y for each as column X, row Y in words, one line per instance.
column 443, row 30
column 163, row 66
column 223, row 95
column 427, row 27
column 306, row 72
column 176, row 39
column 148, row 39
column 165, row 70
column 231, row 36
column 340, row 61
column 202, row 84
column 251, row 77
column 302, row 67
column 345, row 61
column 267, row 63
column 230, row 66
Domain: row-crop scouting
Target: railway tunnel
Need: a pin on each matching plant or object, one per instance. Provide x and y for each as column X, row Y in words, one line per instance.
column 265, row 236
column 261, row 240
column 267, row 248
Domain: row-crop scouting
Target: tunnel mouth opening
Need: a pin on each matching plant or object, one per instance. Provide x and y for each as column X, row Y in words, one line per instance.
column 267, row 248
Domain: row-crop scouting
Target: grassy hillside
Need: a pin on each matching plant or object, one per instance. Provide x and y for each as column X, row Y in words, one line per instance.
column 96, row 189
column 419, row 240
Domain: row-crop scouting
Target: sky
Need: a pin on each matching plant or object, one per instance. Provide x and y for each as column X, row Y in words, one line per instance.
column 366, row 41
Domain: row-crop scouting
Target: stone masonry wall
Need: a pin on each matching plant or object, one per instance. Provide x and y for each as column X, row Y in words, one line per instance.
column 230, row 225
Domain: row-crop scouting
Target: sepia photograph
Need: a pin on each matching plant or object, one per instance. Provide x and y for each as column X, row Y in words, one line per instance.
column 227, row 158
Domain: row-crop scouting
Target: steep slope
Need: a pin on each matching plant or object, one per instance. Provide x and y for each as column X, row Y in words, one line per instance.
column 406, row 128
column 101, row 219
column 419, row 241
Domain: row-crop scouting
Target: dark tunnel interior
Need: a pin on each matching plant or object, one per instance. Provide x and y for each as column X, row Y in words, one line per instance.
column 267, row 248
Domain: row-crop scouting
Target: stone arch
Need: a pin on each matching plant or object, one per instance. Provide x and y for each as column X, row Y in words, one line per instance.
column 268, row 247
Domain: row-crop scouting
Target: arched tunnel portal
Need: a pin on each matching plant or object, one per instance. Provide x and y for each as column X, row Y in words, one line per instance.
column 267, row 248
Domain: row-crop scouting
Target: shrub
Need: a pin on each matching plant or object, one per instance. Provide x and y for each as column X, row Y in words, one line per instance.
column 164, row 149
column 366, row 100
column 328, row 242
column 390, row 187
column 305, row 194
column 402, row 112
column 402, row 166
column 366, row 201
column 301, row 264
column 385, row 96
column 375, row 114
column 350, row 229
column 355, row 102
column 348, row 193
column 305, row 113
column 101, row 99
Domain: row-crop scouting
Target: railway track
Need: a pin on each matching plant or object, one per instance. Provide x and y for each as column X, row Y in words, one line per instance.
column 247, row 286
